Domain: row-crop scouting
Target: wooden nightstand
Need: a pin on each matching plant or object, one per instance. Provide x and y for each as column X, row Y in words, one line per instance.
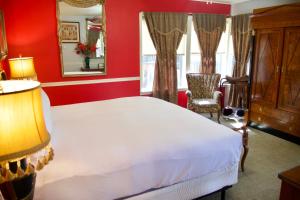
column 290, row 185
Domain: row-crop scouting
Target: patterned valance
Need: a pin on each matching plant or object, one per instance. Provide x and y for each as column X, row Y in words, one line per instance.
column 210, row 22
column 177, row 22
column 83, row 3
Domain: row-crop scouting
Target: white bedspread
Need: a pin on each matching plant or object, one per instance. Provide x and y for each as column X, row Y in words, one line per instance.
column 115, row 148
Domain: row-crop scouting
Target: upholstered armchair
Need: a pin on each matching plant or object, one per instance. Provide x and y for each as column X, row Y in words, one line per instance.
column 202, row 94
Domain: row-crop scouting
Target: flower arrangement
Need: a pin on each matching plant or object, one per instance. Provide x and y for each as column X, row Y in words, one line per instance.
column 85, row 49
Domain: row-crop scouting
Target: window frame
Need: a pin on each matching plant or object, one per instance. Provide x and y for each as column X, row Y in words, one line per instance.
column 188, row 52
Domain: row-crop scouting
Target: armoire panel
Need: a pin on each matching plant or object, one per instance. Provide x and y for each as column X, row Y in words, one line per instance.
column 289, row 98
column 266, row 68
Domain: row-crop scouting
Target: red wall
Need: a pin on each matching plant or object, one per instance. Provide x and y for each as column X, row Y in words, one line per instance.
column 31, row 30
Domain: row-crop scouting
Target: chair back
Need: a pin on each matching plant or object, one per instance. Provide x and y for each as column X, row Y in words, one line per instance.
column 202, row 85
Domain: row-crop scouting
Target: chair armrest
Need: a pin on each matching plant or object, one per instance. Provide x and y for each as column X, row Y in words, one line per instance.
column 217, row 95
column 243, row 129
column 244, row 132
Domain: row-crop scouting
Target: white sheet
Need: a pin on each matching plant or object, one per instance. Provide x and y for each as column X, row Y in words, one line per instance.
column 115, row 148
column 193, row 188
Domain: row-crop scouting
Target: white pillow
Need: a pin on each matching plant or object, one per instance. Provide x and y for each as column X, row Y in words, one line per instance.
column 47, row 111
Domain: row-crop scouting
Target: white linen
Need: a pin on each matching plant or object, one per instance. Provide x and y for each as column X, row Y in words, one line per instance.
column 193, row 188
column 125, row 146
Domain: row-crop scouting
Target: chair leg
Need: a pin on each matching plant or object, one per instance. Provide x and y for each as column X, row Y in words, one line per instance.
column 219, row 113
column 245, row 144
column 246, row 149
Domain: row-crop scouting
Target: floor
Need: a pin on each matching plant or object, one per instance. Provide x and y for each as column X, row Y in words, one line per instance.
column 268, row 156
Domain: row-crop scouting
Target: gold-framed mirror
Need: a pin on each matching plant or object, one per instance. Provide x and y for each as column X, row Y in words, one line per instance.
column 81, row 33
column 3, row 42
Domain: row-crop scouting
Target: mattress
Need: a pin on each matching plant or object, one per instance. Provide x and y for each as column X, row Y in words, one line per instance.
column 117, row 148
column 193, row 188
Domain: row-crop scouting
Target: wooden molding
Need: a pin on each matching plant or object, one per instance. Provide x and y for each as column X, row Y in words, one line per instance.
column 85, row 82
column 276, row 16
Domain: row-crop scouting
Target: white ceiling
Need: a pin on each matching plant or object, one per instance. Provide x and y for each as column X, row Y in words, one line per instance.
column 223, row 1
column 235, row 1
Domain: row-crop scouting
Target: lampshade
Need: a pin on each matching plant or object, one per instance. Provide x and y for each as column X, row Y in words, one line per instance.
column 22, row 126
column 22, row 68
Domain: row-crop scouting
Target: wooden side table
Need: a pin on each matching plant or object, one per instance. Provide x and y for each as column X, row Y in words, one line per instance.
column 243, row 130
column 290, row 185
column 244, row 133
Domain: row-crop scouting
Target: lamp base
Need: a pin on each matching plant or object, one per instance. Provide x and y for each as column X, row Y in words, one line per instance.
column 19, row 189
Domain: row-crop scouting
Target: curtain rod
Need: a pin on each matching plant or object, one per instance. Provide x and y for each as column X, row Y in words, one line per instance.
column 227, row 16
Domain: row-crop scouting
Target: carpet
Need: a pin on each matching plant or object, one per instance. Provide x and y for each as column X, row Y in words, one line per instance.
column 268, row 155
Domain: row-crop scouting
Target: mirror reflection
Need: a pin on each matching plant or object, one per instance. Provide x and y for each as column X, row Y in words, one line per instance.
column 82, row 38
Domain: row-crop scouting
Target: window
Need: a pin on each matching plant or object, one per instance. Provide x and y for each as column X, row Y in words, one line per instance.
column 147, row 59
column 149, row 56
column 188, row 55
column 224, row 55
column 195, row 58
column 181, row 63
column 100, row 46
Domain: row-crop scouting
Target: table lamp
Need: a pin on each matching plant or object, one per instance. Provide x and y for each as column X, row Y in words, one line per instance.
column 22, row 68
column 24, row 139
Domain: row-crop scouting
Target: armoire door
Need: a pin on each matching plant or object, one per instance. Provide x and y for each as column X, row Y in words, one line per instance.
column 265, row 81
column 289, row 95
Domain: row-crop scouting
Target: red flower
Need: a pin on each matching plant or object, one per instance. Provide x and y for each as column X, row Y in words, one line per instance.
column 93, row 48
column 81, row 46
column 85, row 49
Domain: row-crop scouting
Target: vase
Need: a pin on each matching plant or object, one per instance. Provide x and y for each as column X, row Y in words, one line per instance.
column 87, row 62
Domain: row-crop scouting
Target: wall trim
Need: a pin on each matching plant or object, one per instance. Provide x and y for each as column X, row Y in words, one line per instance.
column 85, row 82
column 150, row 92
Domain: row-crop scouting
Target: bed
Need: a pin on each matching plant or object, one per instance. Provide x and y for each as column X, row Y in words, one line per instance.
column 136, row 147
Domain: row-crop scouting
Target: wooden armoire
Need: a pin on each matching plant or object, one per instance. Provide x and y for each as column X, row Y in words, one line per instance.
column 275, row 76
